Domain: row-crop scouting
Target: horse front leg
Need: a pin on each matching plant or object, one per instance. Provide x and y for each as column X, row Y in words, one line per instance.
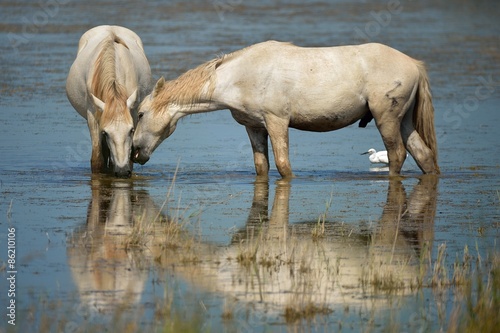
column 278, row 132
column 258, row 139
column 96, row 159
column 107, row 163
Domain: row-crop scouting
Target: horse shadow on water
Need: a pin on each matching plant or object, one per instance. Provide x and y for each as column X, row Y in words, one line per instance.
column 269, row 261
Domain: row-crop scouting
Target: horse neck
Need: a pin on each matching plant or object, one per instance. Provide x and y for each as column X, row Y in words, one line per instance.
column 180, row 111
column 106, row 75
column 200, row 106
column 192, row 92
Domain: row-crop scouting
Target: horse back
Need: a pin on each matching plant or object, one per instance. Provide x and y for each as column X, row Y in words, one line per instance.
column 318, row 89
column 79, row 81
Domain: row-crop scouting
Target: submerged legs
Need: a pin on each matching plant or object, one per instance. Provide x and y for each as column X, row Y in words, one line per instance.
column 258, row 139
column 278, row 132
column 419, row 150
column 393, row 142
column 96, row 160
column 389, row 107
column 422, row 154
column 100, row 154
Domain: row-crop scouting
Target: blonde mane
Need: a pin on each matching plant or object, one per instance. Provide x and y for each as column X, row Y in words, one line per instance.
column 194, row 86
column 189, row 88
column 105, row 86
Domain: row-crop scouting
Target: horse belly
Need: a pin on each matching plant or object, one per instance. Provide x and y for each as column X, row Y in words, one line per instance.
column 248, row 119
column 336, row 117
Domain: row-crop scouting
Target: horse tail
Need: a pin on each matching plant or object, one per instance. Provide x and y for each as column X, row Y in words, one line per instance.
column 423, row 113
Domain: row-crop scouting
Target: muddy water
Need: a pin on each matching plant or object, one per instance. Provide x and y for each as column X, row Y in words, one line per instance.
column 72, row 265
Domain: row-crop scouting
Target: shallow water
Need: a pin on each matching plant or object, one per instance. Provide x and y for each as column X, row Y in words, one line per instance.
column 72, row 267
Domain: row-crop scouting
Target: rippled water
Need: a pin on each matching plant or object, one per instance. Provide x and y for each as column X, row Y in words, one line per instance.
column 70, row 229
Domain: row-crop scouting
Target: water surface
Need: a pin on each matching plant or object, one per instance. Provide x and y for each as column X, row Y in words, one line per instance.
column 72, row 228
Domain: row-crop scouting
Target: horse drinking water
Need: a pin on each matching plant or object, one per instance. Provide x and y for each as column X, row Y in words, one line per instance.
column 105, row 84
column 271, row 86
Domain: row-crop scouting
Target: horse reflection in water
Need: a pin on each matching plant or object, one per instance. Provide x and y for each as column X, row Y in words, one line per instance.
column 106, row 272
column 269, row 262
column 279, row 264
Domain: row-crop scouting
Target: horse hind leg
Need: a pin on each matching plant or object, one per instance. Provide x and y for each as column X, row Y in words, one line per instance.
column 388, row 115
column 391, row 136
column 416, row 146
column 258, row 138
column 389, row 110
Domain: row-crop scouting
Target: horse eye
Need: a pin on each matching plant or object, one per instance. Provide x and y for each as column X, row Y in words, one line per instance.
column 139, row 116
column 132, row 131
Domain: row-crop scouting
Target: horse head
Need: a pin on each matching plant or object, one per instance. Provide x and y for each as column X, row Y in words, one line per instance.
column 154, row 124
column 116, row 126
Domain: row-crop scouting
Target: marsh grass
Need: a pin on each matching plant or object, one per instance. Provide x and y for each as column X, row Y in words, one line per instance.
column 306, row 311
column 478, row 307
column 314, row 273
column 171, row 228
column 318, row 231
column 46, row 314
column 310, row 283
column 387, row 281
column 440, row 272
column 474, row 282
column 227, row 310
column 248, row 248
column 270, row 249
column 462, row 269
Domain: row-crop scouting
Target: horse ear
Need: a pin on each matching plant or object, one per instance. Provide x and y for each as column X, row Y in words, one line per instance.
column 100, row 104
column 131, row 99
column 158, row 86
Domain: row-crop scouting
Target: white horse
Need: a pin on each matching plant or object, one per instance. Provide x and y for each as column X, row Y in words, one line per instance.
column 105, row 84
column 272, row 86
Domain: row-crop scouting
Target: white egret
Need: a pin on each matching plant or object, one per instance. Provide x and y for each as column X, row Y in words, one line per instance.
column 377, row 156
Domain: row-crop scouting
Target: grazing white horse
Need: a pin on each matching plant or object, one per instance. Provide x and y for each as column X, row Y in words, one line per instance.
column 272, row 86
column 105, row 85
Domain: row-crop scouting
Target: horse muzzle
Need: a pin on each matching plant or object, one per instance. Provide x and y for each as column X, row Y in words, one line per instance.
column 124, row 172
column 139, row 156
